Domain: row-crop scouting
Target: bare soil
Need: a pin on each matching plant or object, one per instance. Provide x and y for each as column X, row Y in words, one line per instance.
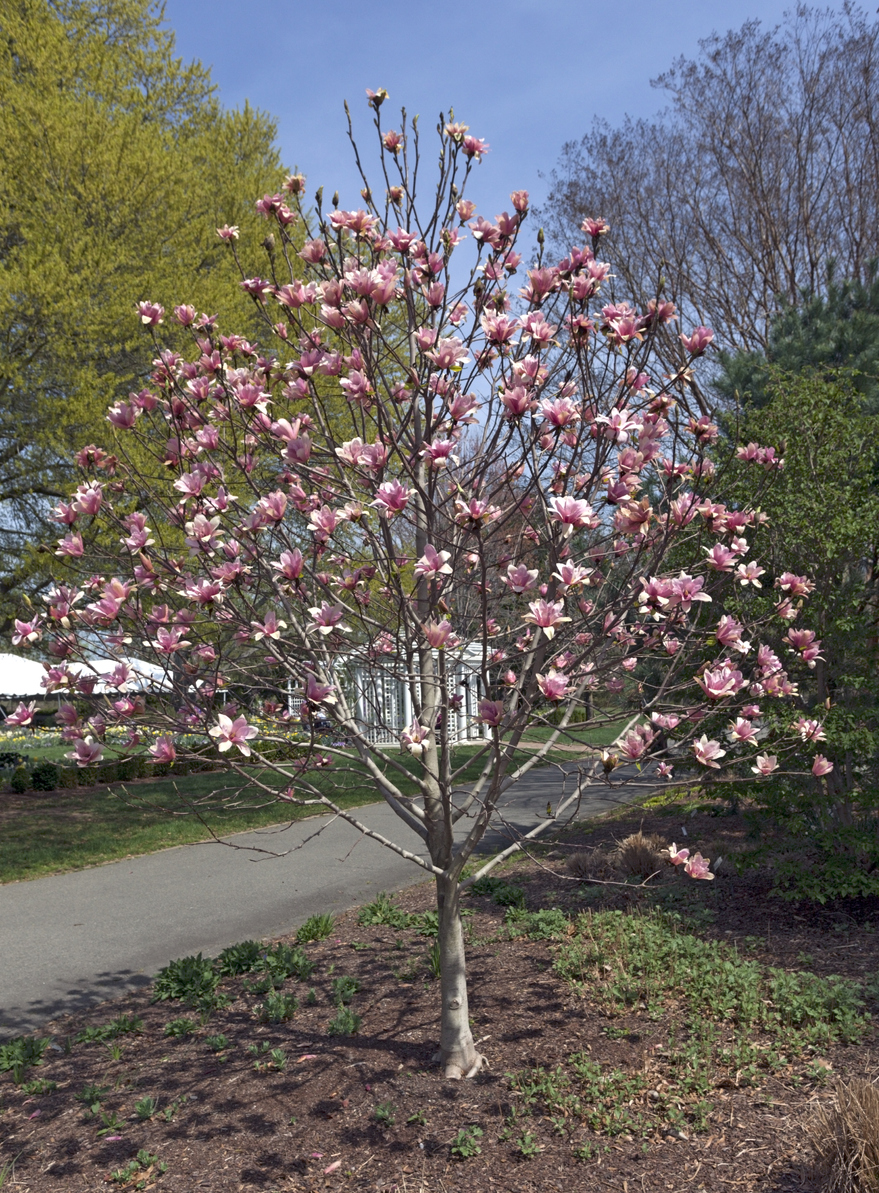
column 223, row 1124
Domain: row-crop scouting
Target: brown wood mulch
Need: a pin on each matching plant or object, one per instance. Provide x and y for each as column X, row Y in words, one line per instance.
column 222, row 1124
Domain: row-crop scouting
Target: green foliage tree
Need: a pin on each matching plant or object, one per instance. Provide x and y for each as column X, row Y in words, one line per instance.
column 823, row 521
column 825, row 333
column 118, row 164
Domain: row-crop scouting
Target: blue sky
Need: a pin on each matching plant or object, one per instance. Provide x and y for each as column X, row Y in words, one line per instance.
column 526, row 75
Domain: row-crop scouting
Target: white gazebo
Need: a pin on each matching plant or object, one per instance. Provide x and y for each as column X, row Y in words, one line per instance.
column 380, row 693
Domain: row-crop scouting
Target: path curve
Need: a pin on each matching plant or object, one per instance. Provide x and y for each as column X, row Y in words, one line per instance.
column 72, row 940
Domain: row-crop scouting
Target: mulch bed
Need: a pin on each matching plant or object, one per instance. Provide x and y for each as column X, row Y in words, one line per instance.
column 232, row 1127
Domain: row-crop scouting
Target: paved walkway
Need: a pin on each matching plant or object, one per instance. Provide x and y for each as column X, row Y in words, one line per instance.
column 72, row 940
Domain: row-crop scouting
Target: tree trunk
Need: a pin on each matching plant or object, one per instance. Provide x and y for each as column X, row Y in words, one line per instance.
column 457, row 1053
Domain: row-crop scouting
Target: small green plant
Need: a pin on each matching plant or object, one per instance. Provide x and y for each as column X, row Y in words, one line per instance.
column 144, row 1163
column 345, row 1023
column 178, row 1028
column 20, row 780
column 465, row 1144
column 92, row 1095
column 113, row 1124
column 344, row 989
column 418, row 1119
column 217, row 1043
column 239, row 958
column 277, row 1007
column 547, row 924
column 169, row 1112
column 45, row 776
column 145, row 1108
column 385, row 1114
column 507, row 894
column 316, row 927
column 187, row 978
column 527, row 1146
column 115, row 1051
column 311, row 998
column 39, row 1086
column 21, row 1054
column 486, row 885
column 434, row 959
column 383, row 910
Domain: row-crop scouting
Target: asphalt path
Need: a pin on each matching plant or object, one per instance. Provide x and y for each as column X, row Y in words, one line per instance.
column 73, row 940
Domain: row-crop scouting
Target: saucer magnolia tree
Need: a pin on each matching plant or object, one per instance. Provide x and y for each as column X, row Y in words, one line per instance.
column 489, row 525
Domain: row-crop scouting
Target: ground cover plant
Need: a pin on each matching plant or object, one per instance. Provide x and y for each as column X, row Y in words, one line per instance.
column 660, row 1035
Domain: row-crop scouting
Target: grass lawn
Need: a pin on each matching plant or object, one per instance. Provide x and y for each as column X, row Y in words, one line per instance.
column 49, row 833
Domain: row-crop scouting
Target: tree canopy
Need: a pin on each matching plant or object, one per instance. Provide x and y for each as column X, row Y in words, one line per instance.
column 118, row 164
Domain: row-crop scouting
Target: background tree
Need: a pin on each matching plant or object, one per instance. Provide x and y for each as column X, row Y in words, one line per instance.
column 763, row 169
column 823, row 515
column 118, row 163
column 823, row 335
column 579, row 476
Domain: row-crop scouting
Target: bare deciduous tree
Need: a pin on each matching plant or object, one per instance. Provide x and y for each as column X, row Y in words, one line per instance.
column 762, row 171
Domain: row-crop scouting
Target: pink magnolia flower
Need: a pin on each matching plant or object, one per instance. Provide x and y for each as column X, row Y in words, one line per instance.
column 676, row 856
column 439, row 635
column 743, row 731
column 392, row 497
column 326, row 618
column 698, row 340
column 553, row 685
column 413, row 738
column 290, row 564
column 821, row 766
column 27, row 632
column 150, row 313
column 635, row 745
column 71, row 545
column 765, row 764
column 810, row 730
column 491, row 712
column 793, row 585
column 720, row 558
column 697, row 867
column 233, row 733
column 707, row 751
column 547, row 615
column 86, row 752
column 433, row 563
column 664, row 771
column 520, row 578
column 729, row 631
column 449, row 353
column 162, row 750
column 721, row 683
column 571, row 575
column 572, row 513
column 686, row 589
column 269, row 628
column 169, row 640
column 23, row 715
column 749, row 573
column 317, row 692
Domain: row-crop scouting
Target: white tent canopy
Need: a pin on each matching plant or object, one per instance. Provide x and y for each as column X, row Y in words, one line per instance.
column 22, row 678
